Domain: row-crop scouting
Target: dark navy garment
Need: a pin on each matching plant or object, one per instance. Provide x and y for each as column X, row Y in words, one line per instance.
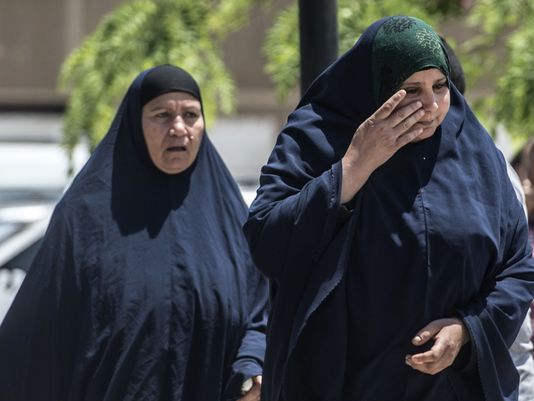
column 143, row 289
column 436, row 232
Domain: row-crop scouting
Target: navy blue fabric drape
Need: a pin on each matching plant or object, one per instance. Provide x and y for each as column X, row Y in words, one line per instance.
column 143, row 289
column 435, row 232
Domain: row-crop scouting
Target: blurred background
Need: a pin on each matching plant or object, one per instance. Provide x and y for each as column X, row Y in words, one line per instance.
column 65, row 64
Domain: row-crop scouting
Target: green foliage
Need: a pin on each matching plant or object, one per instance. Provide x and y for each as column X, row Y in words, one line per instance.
column 282, row 43
column 511, row 23
column 515, row 88
column 282, row 51
column 139, row 35
column 493, row 16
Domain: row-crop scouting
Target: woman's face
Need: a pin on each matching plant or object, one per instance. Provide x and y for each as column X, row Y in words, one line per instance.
column 430, row 88
column 173, row 127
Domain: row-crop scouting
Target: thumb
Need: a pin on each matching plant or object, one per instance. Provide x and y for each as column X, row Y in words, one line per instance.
column 257, row 379
column 426, row 333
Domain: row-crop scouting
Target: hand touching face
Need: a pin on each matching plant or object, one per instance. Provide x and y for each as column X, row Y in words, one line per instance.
column 413, row 113
column 430, row 87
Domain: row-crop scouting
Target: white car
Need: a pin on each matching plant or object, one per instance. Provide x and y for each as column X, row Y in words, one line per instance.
column 34, row 170
column 21, row 231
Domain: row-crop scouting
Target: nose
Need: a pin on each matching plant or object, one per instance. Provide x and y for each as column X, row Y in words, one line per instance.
column 177, row 127
column 428, row 99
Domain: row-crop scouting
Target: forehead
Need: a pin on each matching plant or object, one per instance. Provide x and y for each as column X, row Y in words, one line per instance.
column 174, row 97
column 425, row 76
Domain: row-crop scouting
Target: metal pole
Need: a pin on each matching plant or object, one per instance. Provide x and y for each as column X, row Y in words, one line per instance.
column 318, row 38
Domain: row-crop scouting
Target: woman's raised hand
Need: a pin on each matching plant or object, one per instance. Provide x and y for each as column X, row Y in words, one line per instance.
column 377, row 139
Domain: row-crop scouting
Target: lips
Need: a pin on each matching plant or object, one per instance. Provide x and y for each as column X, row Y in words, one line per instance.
column 426, row 123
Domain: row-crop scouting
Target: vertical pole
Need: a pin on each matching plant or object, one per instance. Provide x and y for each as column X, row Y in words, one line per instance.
column 318, row 38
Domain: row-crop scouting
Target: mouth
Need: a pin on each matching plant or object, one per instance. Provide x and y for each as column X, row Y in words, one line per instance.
column 176, row 149
column 426, row 123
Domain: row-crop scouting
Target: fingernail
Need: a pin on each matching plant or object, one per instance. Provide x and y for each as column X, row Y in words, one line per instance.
column 417, row 339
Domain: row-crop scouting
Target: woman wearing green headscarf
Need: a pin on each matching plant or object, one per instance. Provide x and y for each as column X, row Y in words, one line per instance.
column 397, row 252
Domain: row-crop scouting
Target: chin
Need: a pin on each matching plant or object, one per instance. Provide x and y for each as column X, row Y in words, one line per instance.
column 177, row 169
column 427, row 133
column 172, row 169
column 175, row 166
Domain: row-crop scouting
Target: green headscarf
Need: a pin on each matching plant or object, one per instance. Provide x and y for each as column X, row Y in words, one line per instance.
column 402, row 46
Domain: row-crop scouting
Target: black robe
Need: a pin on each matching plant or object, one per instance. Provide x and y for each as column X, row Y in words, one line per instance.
column 143, row 288
column 435, row 232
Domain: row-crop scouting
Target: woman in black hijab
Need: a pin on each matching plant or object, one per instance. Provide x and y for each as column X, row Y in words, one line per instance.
column 143, row 288
column 396, row 249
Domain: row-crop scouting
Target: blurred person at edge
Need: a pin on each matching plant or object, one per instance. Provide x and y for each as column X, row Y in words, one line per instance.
column 522, row 346
column 143, row 288
column 523, row 164
column 395, row 247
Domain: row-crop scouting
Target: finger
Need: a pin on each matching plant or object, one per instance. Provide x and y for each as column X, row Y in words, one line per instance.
column 407, row 117
column 432, row 355
column 428, row 368
column 254, row 393
column 408, row 137
column 423, row 358
column 428, row 332
column 402, row 113
column 389, row 106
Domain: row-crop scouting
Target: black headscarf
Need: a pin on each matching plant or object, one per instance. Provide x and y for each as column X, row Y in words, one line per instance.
column 165, row 79
column 435, row 232
column 143, row 288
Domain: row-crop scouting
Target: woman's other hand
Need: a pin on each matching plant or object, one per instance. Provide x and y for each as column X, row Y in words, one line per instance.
column 252, row 393
column 449, row 336
column 377, row 139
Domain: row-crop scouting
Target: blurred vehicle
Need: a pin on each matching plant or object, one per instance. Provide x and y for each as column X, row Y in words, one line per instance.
column 21, row 231
column 34, row 171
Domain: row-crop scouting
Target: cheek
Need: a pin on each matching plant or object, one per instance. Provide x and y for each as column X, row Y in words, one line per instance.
column 197, row 131
column 152, row 140
column 199, row 126
column 198, row 140
column 148, row 134
column 444, row 106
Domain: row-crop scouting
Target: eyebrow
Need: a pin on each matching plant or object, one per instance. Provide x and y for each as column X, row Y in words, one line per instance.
column 165, row 107
column 419, row 83
column 157, row 107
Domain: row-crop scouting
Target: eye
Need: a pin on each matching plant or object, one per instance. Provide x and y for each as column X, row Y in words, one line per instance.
column 191, row 114
column 440, row 85
column 411, row 91
column 162, row 114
